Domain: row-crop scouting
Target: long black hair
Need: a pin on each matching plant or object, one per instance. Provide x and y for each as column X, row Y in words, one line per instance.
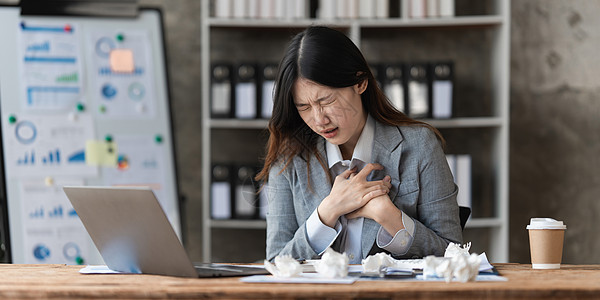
column 328, row 57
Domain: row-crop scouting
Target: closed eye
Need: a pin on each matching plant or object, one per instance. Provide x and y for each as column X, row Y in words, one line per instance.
column 327, row 101
column 302, row 107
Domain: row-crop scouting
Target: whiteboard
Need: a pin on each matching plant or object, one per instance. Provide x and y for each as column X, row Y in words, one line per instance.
column 83, row 101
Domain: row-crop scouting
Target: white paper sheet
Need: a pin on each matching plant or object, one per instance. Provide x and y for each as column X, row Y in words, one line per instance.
column 47, row 146
column 479, row 278
column 52, row 231
column 122, row 95
column 141, row 162
column 409, row 264
column 99, row 269
column 50, row 65
column 304, row 278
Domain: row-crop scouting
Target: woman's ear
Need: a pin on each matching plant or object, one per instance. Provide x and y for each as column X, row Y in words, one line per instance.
column 360, row 87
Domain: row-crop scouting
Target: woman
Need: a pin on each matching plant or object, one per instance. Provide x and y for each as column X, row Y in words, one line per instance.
column 346, row 170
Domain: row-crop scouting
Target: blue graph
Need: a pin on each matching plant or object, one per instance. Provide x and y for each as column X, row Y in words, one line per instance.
column 62, row 60
column 72, row 213
column 77, row 157
column 37, row 214
column 41, row 252
column 65, row 29
column 104, row 46
column 56, row 212
column 36, row 90
column 109, row 91
column 71, row 251
column 108, row 71
column 53, row 157
column 27, row 158
column 42, row 47
column 25, row 132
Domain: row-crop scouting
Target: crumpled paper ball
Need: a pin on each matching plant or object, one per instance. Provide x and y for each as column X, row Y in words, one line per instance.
column 332, row 264
column 374, row 263
column 456, row 249
column 466, row 267
column 437, row 267
column 285, row 266
column 461, row 268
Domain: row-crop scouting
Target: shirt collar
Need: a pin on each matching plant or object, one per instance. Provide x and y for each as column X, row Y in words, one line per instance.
column 362, row 150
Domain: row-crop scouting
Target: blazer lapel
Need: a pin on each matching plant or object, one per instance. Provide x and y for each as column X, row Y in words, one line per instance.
column 319, row 187
column 387, row 150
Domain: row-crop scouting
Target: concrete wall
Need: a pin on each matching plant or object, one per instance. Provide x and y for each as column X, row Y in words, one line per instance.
column 555, row 123
column 182, row 26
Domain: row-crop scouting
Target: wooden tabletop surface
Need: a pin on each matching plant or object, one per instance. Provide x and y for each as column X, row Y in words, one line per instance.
column 60, row 281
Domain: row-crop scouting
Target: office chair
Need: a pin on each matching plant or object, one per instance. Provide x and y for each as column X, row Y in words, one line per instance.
column 464, row 212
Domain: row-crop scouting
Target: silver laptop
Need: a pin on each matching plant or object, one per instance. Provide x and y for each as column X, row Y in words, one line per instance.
column 133, row 234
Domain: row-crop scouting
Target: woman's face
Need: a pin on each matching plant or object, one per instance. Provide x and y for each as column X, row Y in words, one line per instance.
column 336, row 114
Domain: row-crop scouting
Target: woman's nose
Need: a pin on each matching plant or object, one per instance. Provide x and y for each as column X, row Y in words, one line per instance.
column 320, row 117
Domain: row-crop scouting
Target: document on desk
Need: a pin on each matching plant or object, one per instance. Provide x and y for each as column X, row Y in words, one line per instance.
column 99, row 269
column 304, row 278
column 478, row 278
column 410, row 264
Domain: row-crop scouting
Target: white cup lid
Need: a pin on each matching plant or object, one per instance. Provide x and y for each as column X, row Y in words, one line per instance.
column 546, row 223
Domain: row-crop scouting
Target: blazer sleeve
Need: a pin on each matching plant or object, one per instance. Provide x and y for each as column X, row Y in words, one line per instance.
column 284, row 233
column 437, row 220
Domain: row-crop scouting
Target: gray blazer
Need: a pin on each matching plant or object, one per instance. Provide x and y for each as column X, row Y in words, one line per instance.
column 422, row 187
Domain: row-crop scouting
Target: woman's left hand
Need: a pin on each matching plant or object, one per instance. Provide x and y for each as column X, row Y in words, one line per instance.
column 383, row 211
column 375, row 209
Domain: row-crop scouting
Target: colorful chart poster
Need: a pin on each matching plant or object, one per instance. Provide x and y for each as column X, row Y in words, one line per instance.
column 142, row 162
column 52, row 231
column 50, row 66
column 52, row 145
column 121, row 74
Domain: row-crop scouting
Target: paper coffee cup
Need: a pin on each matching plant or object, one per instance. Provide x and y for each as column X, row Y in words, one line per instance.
column 546, row 238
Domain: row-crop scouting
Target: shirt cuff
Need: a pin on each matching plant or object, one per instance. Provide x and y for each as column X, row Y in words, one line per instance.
column 320, row 236
column 401, row 241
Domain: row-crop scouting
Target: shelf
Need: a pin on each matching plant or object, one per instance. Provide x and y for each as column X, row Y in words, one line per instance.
column 465, row 122
column 238, row 124
column 239, row 224
column 275, row 23
column 346, row 23
column 483, row 223
column 438, row 123
column 432, row 22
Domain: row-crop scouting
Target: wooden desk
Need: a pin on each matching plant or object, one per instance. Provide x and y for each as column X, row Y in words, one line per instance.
column 59, row 281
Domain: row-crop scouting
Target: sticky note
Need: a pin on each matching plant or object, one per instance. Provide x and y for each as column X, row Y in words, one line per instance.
column 101, row 153
column 121, row 61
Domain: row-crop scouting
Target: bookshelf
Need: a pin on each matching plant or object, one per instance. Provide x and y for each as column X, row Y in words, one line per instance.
column 477, row 40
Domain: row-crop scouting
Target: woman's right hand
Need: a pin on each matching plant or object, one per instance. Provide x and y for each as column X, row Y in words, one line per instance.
column 350, row 192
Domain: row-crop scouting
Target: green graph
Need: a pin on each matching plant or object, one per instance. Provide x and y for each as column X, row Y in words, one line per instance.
column 73, row 77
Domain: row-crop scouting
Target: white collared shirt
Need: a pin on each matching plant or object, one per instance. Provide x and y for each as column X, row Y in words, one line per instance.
column 321, row 236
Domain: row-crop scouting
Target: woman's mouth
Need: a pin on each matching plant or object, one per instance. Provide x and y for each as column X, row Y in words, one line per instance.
column 329, row 133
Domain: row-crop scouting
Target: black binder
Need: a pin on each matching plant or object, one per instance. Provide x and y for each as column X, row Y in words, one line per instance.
column 268, row 74
column 246, row 79
column 377, row 71
column 221, row 98
column 221, row 192
column 245, row 197
column 419, row 105
column 394, row 85
column 442, row 89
